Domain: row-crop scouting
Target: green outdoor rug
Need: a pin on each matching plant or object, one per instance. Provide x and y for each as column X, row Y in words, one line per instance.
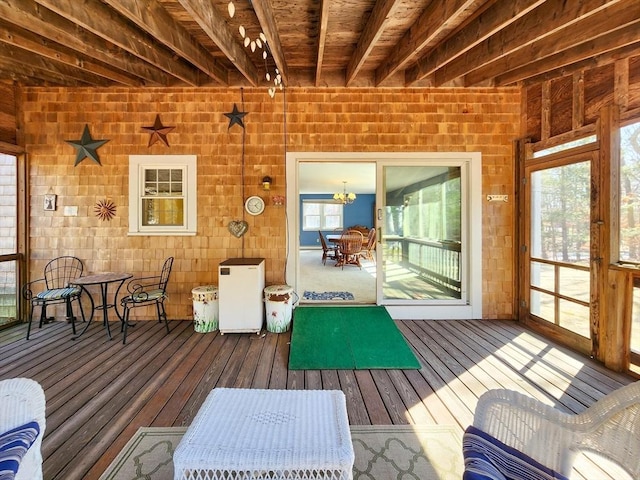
column 347, row 338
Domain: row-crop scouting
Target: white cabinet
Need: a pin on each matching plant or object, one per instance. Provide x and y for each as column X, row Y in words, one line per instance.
column 240, row 295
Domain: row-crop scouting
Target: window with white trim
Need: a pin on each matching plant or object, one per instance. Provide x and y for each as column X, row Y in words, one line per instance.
column 321, row 215
column 162, row 195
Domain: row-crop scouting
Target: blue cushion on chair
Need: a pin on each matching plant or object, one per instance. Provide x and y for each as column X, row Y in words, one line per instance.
column 59, row 293
column 487, row 458
column 13, row 446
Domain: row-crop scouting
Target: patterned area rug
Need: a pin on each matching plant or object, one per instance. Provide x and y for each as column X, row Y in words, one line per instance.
column 382, row 452
column 327, row 295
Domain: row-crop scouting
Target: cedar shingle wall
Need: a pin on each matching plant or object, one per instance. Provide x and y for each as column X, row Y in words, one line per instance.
column 485, row 120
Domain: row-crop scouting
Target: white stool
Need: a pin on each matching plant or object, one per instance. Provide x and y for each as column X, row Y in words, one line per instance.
column 267, row 434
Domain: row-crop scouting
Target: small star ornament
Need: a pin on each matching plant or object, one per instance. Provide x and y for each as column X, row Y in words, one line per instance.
column 86, row 147
column 158, row 132
column 235, row 117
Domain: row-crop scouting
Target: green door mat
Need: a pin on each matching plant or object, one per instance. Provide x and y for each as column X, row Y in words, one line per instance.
column 347, row 338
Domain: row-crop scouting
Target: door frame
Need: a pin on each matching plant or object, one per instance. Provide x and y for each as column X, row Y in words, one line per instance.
column 471, row 161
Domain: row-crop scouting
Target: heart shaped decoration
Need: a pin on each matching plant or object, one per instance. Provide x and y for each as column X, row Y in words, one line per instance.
column 238, row 228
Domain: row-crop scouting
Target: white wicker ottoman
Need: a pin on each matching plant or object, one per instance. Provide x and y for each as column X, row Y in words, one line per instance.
column 248, row 434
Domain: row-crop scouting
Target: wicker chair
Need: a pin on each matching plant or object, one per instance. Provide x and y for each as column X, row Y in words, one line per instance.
column 22, row 400
column 610, row 428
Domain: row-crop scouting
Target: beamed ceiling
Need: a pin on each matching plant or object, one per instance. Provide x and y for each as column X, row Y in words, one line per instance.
column 336, row 43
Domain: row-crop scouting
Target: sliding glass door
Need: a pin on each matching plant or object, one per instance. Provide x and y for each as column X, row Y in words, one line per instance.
column 421, row 220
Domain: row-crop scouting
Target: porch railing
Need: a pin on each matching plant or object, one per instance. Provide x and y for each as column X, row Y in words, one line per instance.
column 436, row 262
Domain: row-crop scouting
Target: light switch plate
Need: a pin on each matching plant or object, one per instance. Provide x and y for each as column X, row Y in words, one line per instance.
column 71, row 211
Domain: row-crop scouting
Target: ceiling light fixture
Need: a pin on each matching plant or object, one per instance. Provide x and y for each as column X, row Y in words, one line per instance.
column 344, row 197
column 259, row 43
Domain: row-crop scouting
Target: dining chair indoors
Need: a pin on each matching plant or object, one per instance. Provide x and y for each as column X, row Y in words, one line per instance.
column 56, row 287
column 369, row 246
column 350, row 247
column 146, row 291
column 327, row 252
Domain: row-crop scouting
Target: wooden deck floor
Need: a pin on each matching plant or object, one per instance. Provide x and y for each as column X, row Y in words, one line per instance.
column 99, row 392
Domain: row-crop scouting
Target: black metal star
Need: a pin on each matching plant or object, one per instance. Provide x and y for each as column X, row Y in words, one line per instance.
column 158, row 132
column 86, row 147
column 235, row 117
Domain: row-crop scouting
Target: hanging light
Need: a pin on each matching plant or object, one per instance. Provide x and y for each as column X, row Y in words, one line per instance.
column 344, row 197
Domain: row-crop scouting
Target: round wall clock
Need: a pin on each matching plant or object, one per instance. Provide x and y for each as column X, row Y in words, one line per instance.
column 254, row 205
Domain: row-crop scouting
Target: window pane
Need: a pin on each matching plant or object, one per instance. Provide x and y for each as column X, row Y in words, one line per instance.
column 574, row 283
column 560, row 203
column 543, row 276
column 572, row 317
column 543, row 306
column 163, row 211
column 630, row 193
column 312, row 222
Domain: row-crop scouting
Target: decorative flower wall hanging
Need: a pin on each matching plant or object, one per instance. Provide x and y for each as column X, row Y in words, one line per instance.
column 105, row 209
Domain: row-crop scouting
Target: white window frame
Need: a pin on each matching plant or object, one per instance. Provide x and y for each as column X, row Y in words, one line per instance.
column 137, row 165
column 322, row 202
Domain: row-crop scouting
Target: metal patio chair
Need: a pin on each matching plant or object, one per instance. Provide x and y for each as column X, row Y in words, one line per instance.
column 56, row 288
column 145, row 291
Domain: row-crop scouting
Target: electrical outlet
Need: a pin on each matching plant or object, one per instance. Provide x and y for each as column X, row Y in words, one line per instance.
column 497, row 198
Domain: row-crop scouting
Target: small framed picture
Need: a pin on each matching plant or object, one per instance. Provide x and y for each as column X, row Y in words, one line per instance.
column 50, row 201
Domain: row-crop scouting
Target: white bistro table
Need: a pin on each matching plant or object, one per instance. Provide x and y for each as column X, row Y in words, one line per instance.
column 254, row 434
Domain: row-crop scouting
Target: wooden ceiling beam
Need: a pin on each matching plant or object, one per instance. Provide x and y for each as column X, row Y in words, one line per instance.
column 215, row 26
column 266, row 17
column 322, row 38
column 55, row 28
column 151, row 17
column 44, row 64
column 101, row 20
column 589, row 63
column 543, row 21
column 30, row 75
column 378, row 20
column 609, row 29
column 496, row 17
column 25, row 40
column 612, row 41
column 434, row 24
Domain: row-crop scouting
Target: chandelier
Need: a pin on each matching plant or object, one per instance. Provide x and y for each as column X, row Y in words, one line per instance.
column 344, row 197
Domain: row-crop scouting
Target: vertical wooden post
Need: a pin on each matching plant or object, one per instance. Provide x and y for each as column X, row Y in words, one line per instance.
column 611, row 322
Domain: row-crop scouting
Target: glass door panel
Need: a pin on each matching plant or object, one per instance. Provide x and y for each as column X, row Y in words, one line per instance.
column 420, row 219
column 8, row 240
column 560, row 246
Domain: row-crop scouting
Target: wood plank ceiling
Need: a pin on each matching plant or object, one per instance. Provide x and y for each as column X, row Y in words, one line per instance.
column 385, row 43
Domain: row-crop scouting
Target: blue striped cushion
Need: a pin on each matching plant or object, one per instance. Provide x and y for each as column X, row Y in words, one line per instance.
column 487, row 458
column 58, row 293
column 13, row 446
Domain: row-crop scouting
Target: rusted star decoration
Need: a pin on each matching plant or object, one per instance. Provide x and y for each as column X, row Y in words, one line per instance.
column 86, row 147
column 158, row 132
column 235, row 117
column 105, row 209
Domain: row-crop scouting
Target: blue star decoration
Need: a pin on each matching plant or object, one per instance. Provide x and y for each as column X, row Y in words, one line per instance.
column 86, row 147
column 158, row 132
column 235, row 117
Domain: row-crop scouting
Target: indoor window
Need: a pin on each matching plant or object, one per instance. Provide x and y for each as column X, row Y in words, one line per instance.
column 163, row 193
column 321, row 215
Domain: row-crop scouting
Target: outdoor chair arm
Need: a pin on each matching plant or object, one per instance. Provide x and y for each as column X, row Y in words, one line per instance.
column 610, row 427
column 27, row 288
column 142, row 289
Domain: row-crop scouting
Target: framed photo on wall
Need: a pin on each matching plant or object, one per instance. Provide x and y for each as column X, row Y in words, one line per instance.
column 50, row 201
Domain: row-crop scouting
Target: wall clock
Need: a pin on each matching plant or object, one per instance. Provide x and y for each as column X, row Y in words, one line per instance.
column 254, row 205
